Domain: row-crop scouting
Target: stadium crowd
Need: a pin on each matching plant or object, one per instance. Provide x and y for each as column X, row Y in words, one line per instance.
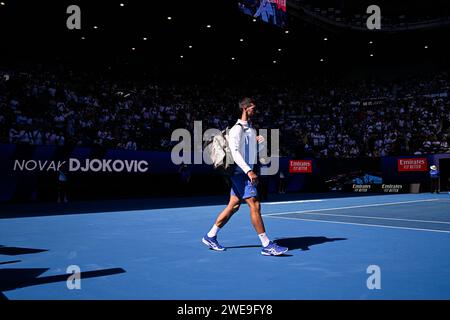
column 342, row 120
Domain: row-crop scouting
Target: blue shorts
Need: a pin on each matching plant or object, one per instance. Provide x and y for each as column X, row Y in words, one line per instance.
column 242, row 187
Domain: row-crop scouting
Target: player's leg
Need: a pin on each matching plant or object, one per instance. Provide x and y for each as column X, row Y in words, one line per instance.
column 269, row 248
column 238, row 183
column 255, row 214
column 238, row 189
column 230, row 209
column 210, row 239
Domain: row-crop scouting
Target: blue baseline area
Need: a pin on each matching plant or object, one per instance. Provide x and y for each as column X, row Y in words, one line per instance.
column 157, row 254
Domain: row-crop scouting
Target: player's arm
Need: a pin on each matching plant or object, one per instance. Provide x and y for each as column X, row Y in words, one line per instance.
column 234, row 142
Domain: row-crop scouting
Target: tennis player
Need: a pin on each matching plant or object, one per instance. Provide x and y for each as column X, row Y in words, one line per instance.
column 243, row 143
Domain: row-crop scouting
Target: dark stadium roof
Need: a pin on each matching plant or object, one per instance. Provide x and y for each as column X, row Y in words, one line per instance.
column 139, row 32
column 406, row 9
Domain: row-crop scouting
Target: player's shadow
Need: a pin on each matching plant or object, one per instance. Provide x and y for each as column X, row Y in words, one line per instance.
column 255, row 246
column 303, row 243
column 9, row 262
column 14, row 278
column 11, row 279
column 243, row 247
column 15, row 251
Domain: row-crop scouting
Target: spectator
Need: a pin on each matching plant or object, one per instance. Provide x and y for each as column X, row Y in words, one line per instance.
column 434, row 179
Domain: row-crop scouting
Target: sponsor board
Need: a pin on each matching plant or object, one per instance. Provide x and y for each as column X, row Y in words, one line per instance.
column 412, row 164
column 300, row 166
column 85, row 165
column 380, row 188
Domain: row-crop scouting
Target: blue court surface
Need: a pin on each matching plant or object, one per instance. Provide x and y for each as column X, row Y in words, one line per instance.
column 335, row 244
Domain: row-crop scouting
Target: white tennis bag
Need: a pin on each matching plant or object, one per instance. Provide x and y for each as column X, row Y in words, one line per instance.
column 218, row 153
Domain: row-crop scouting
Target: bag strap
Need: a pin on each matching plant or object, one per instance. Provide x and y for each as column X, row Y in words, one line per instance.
column 242, row 127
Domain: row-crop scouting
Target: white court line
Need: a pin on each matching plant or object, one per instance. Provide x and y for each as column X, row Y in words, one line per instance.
column 376, row 218
column 363, row 224
column 294, row 201
column 352, row 207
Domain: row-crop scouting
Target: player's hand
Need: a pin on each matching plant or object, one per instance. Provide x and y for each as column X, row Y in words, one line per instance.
column 253, row 177
column 260, row 139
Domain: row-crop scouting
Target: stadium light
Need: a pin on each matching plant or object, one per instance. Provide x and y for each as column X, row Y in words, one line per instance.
column 122, row 4
column 321, row 60
column 371, row 54
column 208, row 26
column 241, row 40
column 370, row 42
column 190, row 47
column 279, row 49
column 232, row 58
column 144, row 38
column 325, row 39
column 133, row 48
column 82, row 38
column 95, row 27
column 2, row 3
column 287, row 31
column 426, row 47
column 254, row 20
column 181, row 56
column 274, row 61
column 169, row 18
